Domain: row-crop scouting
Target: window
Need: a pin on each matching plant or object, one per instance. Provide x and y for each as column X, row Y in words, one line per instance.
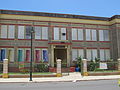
column 11, row 31
column 80, row 34
column 20, row 55
column 38, row 33
column 104, row 54
column 63, row 33
column 3, row 31
column 41, row 54
column 81, row 53
column 11, row 54
column 37, row 55
column 77, row 34
column 44, row 32
column 91, row 54
column 21, row 32
column 7, row 53
column 28, row 32
column 2, row 54
column 7, row 31
column 74, row 54
column 41, row 32
column 88, row 35
column 27, row 55
column 104, row 35
column 45, row 55
column 56, row 33
column 94, row 38
column 77, row 53
column 59, row 33
column 24, row 54
column 91, row 35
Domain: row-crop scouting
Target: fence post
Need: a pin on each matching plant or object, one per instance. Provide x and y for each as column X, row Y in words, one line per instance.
column 59, row 74
column 5, row 68
column 85, row 73
column 118, row 64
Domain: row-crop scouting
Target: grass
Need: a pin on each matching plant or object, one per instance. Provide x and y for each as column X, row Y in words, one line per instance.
column 103, row 71
column 34, row 73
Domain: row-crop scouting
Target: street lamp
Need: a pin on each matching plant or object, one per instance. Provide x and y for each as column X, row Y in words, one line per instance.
column 31, row 32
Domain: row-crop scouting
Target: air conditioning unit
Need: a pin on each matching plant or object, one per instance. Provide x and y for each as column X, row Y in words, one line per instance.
column 63, row 34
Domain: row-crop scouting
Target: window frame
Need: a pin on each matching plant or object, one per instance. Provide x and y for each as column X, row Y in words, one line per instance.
column 103, row 36
column 76, row 32
column 59, row 38
column 90, row 36
column 92, row 55
column 42, row 34
column 104, row 54
column 77, row 54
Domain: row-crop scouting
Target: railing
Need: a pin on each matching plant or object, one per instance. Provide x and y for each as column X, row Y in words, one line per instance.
column 108, row 66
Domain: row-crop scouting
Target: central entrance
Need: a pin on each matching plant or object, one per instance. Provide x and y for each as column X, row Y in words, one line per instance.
column 61, row 54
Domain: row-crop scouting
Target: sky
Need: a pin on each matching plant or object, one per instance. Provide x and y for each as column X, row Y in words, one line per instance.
column 102, row 8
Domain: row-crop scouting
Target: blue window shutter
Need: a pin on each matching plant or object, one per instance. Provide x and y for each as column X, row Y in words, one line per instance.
column 3, row 53
column 45, row 55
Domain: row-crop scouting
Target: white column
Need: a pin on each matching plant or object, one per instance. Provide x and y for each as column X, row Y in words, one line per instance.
column 52, row 55
column 118, row 64
column 68, row 56
column 5, row 68
column 85, row 73
column 59, row 74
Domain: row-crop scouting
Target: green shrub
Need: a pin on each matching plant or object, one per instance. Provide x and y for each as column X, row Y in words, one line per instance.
column 79, row 62
column 42, row 67
column 94, row 64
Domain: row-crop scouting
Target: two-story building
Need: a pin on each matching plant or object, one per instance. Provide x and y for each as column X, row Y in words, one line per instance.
column 63, row 36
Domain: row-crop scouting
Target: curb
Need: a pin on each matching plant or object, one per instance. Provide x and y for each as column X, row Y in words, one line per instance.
column 63, row 80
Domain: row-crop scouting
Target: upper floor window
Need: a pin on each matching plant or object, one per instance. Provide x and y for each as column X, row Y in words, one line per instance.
column 21, row 32
column 24, row 32
column 91, row 35
column 7, row 31
column 28, row 32
column 104, row 35
column 41, row 32
column 77, row 34
column 59, row 33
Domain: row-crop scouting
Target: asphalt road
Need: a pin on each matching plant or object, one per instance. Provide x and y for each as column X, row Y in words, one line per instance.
column 82, row 85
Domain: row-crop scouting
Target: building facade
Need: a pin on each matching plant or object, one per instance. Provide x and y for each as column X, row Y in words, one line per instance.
column 57, row 36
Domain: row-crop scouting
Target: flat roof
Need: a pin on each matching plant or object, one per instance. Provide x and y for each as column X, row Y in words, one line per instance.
column 30, row 13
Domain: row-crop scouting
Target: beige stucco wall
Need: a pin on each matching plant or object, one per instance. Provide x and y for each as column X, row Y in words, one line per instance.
column 42, row 18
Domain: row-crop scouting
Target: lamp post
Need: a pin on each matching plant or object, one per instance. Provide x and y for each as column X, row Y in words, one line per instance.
column 31, row 32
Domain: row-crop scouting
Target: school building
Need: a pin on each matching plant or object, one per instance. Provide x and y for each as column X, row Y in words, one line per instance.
column 57, row 36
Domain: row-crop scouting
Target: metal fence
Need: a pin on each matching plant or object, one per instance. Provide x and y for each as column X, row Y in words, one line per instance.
column 42, row 67
column 108, row 66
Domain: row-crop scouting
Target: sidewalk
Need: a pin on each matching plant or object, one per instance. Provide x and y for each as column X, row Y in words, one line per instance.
column 73, row 77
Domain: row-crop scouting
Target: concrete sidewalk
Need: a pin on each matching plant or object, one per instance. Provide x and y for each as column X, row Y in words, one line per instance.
column 72, row 77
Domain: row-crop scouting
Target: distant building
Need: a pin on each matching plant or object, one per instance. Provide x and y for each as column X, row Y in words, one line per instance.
column 63, row 36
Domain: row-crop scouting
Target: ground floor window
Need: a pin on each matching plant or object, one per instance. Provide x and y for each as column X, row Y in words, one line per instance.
column 41, row 55
column 104, row 54
column 7, row 53
column 91, row 54
column 77, row 53
column 24, row 54
column 2, row 54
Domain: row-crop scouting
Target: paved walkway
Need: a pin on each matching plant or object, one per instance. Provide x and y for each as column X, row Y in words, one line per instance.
column 73, row 77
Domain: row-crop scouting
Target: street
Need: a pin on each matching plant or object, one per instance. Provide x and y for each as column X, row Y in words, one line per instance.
column 80, row 85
